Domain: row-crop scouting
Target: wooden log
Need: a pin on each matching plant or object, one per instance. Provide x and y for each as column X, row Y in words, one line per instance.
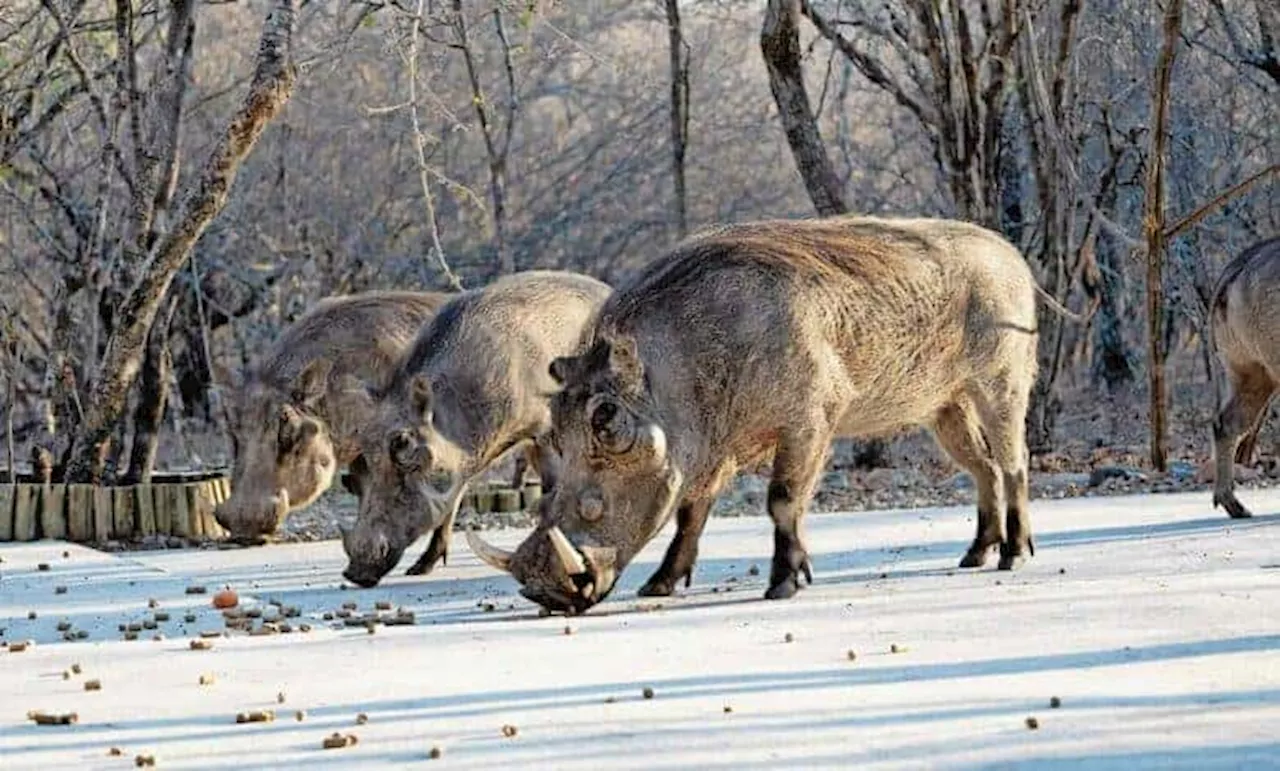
column 200, row 502
column 213, row 493
column 125, row 507
column 226, row 488
column 506, row 499
column 531, row 494
column 7, row 493
column 145, row 501
column 179, row 512
column 26, row 512
column 484, row 499
column 53, row 511
column 80, row 512
column 160, row 498
column 103, row 514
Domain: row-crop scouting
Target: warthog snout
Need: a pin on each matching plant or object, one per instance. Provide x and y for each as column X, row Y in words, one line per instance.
column 252, row 519
column 554, row 572
column 368, row 560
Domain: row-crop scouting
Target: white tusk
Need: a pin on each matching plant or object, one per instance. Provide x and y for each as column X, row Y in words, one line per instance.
column 569, row 556
column 282, row 504
column 492, row 555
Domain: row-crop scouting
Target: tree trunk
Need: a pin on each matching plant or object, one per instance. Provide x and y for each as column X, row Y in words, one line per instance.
column 1153, row 223
column 780, row 44
column 153, row 396
column 270, row 89
column 679, row 112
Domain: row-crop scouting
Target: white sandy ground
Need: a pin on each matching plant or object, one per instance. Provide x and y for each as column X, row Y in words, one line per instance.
column 1155, row 620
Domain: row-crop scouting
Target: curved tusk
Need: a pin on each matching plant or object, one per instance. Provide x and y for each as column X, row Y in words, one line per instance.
column 492, row 555
column 569, row 556
column 282, row 504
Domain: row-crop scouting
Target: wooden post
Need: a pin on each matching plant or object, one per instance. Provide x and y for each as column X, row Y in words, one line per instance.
column 200, row 502
column 6, row 512
column 146, row 507
column 124, row 505
column 80, row 512
column 103, row 515
column 506, row 499
column 179, row 512
column 163, row 513
column 53, row 511
column 531, row 495
column 26, row 512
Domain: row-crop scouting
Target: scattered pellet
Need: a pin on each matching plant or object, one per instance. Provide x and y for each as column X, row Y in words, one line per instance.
column 382, row 605
column 362, row 718
column 195, row 590
column 153, row 603
column 350, row 605
column 59, row 590
column 31, row 615
column 510, row 731
column 727, row 709
column 369, row 628
column 851, row 654
column 149, row 624
column 93, row 685
column 18, row 647
column 115, row 752
column 1055, row 702
column 66, row 555
column 64, row 626
column 130, row 636
column 336, row 741
column 75, row 668
column 1032, row 723
column 256, row 716
column 201, row 645
column 161, row 615
column 206, row 679
column 66, row 674
column 133, row 627
column 788, row 637
column 82, row 634
column 44, row 718
column 280, row 697
column 327, row 616
column 144, row 760
column 42, row 566
column 210, row 634
column 754, row 570
column 436, row 753
column 300, row 715
column 190, row 618
column 896, row 648
column 304, row 628
column 647, row 692
column 568, row 630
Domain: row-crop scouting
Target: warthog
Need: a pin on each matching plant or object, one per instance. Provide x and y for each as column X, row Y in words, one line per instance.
column 774, row 338
column 1245, row 313
column 287, row 438
column 474, row 385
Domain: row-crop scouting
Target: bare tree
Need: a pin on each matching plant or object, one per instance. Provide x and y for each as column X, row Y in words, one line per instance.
column 679, row 112
column 270, row 89
column 1153, row 223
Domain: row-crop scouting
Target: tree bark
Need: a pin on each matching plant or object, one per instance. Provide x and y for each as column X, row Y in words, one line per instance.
column 153, row 397
column 270, row 89
column 1153, row 224
column 780, row 44
column 679, row 112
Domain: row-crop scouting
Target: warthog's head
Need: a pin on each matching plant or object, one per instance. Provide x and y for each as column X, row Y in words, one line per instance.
column 617, row 486
column 284, row 456
column 407, row 480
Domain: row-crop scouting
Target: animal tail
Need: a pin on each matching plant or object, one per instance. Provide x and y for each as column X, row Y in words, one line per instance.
column 1058, row 307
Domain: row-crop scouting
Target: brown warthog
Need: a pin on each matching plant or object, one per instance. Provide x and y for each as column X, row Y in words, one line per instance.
column 474, row 384
column 288, row 439
column 774, row 338
column 1245, row 313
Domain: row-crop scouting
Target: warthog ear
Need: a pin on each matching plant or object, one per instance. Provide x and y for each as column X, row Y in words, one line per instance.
column 420, row 396
column 312, row 383
column 624, row 362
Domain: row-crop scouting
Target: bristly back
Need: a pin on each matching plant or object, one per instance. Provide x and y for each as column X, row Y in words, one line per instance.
column 1257, row 253
column 431, row 338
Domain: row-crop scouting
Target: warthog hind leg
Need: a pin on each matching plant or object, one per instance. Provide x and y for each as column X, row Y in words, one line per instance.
column 797, row 463
column 1251, row 392
column 957, row 430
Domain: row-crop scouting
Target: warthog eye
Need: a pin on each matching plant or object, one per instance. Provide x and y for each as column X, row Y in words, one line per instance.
column 611, row 426
column 407, row 452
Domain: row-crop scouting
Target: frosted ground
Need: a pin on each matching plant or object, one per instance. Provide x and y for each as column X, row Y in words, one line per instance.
column 1154, row 621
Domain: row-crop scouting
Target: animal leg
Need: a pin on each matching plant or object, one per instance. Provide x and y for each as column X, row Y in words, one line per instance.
column 797, row 463
column 956, row 429
column 1003, row 411
column 438, row 548
column 691, row 518
column 1251, row 392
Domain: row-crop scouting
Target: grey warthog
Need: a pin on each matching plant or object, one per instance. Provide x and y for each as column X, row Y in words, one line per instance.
column 288, row 439
column 1245, row 313
column 771, row 339
column 474, row 384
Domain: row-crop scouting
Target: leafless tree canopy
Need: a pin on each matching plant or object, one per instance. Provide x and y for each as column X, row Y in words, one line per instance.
column 181, row 178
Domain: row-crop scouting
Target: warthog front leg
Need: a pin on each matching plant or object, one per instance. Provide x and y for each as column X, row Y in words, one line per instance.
column 1251, row 392
column 956, row 429
column 798, row 461
column 438, row 548
column 691, row 518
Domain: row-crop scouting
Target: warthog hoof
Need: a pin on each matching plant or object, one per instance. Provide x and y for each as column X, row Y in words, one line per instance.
column 427, row 562
column 660, row 584
column 785, row 587
column 1235, row 509
column 976, row 557
column 1014, row 557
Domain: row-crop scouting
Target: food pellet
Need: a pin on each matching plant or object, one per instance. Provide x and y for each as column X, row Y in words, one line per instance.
column 851, row 654
column 31, row 615
column 115, row 752
column 42, row 566
column 206, row 679
column 256, row 716
column 44, row 718
column 64, row 626
column 327, row 616
column 727, row 709
column 896, row 648
column 647, row 693
column 93, row 685
column 82, row 634
column 190, row 618
column 153, row 603
column 130, row 636
column 300, row 715
column 201, row 645
column 754, row 570
column 788, row 637
column 66, row 555
column 509, row 731
column 59, row 590
column 436, row 753
column 144, row 760
column 17, row 647
column 75, row 668
column 568, row 630
column 66, row 674
column 382, row 605
column 161, row 615
column 1055, row 702
column 280, row 698
column 304, row 628
column 362, row 718
column 349, row 606
column 195, row 590
column 337, row 741
column 1032, row 723
column 210, row 634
